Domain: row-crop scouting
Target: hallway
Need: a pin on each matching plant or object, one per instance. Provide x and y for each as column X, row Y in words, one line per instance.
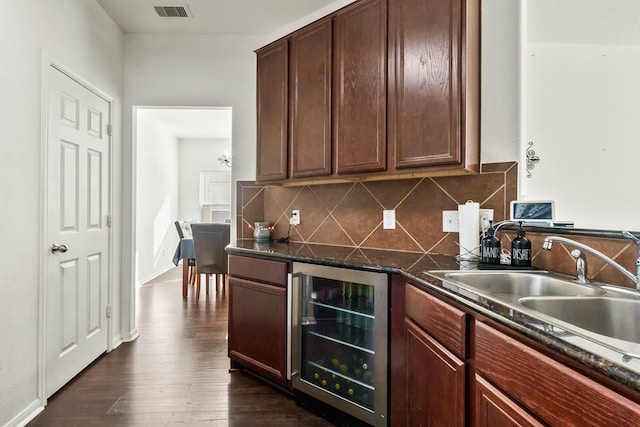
column 174, row 374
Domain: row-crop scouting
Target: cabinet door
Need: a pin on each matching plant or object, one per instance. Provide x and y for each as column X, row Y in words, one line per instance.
column 359, row 120
column 310, row 101
column 435, row 382
column 272, row 82
column 495, row 409
column 426, row 107
column 257, row 327
column 555, row 393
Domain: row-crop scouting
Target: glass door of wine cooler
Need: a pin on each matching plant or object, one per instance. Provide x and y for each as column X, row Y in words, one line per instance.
column 340, row 338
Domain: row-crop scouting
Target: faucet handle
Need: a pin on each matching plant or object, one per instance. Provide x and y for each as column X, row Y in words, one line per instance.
column 581, row 266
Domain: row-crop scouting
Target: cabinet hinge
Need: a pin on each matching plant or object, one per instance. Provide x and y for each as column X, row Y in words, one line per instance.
column 108, row 311
column 109, row 220
column 109, row 129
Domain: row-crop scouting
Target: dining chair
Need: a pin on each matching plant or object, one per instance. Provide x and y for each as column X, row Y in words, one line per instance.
column 209, row 241
column 184, row 231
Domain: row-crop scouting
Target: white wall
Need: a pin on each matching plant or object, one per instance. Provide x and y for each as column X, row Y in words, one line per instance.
column 157, row 201
column 584, row 120
column 195, row 156
column 79, row 35
column 501, row 64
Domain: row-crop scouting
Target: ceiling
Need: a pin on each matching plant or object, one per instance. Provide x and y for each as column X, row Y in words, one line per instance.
column 220, row 17
column 192, row 123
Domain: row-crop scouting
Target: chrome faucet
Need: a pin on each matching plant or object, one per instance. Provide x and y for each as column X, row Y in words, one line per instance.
column 635, row 240
column 581, row 262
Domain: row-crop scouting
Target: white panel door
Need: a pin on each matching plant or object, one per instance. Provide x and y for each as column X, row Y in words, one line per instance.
column 77, row 207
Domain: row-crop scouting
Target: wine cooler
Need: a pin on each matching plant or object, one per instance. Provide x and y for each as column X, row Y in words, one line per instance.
column 339, row 338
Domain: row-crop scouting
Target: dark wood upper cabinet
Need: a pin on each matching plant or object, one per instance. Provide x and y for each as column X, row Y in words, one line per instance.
column 359, row 114
column 433, row 114
column 310, row 101
column 368, row 91
column 272, row 102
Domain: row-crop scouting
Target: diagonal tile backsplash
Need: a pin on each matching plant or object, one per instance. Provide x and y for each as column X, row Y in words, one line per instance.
column 350, row 214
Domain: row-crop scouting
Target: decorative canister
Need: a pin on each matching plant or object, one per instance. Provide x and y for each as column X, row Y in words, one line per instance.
column 261, row 231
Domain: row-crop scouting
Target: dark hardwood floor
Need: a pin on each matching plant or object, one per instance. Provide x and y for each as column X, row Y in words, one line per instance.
column 175, row 373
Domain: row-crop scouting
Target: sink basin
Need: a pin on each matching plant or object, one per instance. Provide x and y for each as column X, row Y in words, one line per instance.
column 617, row 318
column 603, row 315
column 516, row 284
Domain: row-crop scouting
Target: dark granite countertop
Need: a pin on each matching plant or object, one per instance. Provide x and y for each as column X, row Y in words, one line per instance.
column 414, row 266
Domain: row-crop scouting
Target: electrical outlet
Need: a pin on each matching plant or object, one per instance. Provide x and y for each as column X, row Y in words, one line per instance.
column 486, row 215
column 450, row 222
column 295, row 217
column 389, row 219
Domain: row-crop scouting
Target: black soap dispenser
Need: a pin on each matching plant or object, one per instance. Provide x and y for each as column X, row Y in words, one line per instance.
column 521, row 250
column 490, row 248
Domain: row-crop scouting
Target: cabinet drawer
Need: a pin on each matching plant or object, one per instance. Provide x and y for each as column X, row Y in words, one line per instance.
column 262, row 270
column 445, row 323
column 555, row 393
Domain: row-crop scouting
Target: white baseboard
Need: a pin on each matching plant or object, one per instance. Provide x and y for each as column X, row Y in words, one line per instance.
column 130, row 336
column 27, row 415
column 154, row 275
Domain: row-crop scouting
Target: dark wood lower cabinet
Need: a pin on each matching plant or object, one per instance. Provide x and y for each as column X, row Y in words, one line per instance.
column 435, row 382
column 492, row 377
column 258, row 327
column 555, row 393
column 428, row 369
column 495, row 409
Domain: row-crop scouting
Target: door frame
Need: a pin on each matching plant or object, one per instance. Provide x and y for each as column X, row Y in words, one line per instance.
column 49, row 63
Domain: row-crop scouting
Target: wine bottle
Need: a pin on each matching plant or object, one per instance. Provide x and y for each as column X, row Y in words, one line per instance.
column 357, row 306
column 340, row 314
column 323, row 381
column 348, row 320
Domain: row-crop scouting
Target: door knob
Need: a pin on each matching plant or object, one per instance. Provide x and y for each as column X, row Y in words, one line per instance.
column 58, row 248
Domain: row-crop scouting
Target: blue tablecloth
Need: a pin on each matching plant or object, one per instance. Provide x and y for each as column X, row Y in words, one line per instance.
column 185, row 250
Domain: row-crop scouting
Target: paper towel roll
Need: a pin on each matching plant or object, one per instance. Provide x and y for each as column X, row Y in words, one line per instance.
column 469, row 230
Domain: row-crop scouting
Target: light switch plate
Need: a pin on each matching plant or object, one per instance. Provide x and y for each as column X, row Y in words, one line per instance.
column 450, row 222
column 295, row 217
column 389, row 219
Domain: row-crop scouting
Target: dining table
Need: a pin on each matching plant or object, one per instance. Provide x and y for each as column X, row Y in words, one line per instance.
column 185, row 251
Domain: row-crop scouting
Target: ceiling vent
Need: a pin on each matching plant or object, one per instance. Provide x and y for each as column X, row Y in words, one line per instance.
column 173, row 11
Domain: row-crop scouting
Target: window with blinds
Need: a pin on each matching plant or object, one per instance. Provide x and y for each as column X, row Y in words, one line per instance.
column 215, row 194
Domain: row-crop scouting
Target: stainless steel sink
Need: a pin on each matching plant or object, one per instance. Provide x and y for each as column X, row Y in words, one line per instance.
column 512, row 285
column 612, row 317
